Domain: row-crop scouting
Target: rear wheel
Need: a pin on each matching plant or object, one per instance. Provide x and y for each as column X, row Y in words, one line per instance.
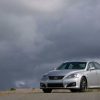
column 47, row 90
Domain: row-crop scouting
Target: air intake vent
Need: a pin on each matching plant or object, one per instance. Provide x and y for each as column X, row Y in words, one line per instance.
column 55, row 85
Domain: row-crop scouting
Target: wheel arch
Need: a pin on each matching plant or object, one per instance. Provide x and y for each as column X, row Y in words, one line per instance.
column 86, row 79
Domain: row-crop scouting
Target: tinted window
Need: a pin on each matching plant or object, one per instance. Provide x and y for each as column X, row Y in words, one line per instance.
column 91, row 64
column 72, row 65
column 97, row 65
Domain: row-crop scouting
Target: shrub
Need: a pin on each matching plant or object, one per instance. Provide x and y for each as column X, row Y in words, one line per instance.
column 12, row 89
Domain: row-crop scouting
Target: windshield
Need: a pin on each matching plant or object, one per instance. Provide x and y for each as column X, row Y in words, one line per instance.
column 72, row 65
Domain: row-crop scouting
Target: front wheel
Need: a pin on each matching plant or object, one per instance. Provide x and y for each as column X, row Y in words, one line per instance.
column 83, row 84
column 74, row 90
column 47, row 90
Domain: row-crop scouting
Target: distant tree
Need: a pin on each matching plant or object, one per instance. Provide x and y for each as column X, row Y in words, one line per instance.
column 12, row 89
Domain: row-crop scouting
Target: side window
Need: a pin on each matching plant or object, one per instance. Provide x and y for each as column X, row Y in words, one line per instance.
column 97, row 65
column 90, row 65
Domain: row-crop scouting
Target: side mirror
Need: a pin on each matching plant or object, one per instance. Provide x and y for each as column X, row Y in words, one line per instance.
column 92, row 68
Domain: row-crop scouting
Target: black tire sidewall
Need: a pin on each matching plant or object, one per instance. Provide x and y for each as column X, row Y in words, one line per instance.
column 81, row 88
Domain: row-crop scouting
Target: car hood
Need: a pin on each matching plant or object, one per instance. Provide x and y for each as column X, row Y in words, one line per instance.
column 63, row 72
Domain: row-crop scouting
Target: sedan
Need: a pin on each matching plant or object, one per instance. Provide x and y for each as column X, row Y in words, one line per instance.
column 75, row 76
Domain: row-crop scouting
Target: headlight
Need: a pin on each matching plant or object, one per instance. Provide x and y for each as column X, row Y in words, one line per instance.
column 76, row 75
column 45, row 77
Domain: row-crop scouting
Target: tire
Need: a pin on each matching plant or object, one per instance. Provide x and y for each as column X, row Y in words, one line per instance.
column 83, row 84
column 74, row 90
column 47, row 90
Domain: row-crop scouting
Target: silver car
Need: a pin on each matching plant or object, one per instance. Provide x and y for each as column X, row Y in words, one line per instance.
column 75, row 76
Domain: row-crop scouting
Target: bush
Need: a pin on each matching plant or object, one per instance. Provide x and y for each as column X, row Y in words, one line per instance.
column 12, row 89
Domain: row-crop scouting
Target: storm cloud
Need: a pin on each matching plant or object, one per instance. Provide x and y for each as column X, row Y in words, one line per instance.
column 37, row 35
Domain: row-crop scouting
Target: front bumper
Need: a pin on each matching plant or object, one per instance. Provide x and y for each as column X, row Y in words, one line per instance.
column 73, row 83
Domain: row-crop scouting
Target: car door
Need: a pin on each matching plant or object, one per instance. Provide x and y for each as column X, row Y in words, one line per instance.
column 91, row 75
column 97, row 65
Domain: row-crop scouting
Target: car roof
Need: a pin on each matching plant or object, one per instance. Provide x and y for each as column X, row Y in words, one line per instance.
column 78, row 61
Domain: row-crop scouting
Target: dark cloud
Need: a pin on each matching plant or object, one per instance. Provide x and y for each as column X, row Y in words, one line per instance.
column 36, row 36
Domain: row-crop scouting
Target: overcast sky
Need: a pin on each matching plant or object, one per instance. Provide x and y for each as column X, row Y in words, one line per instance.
column 37, row 35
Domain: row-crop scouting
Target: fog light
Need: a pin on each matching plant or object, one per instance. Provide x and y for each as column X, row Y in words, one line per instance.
column 42, row 85
column 71, row 84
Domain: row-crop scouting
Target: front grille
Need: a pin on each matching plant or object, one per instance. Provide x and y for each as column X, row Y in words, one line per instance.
column 55, row 85
column 55, row 77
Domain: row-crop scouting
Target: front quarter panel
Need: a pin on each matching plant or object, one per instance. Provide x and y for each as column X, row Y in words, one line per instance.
column 77, row 79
